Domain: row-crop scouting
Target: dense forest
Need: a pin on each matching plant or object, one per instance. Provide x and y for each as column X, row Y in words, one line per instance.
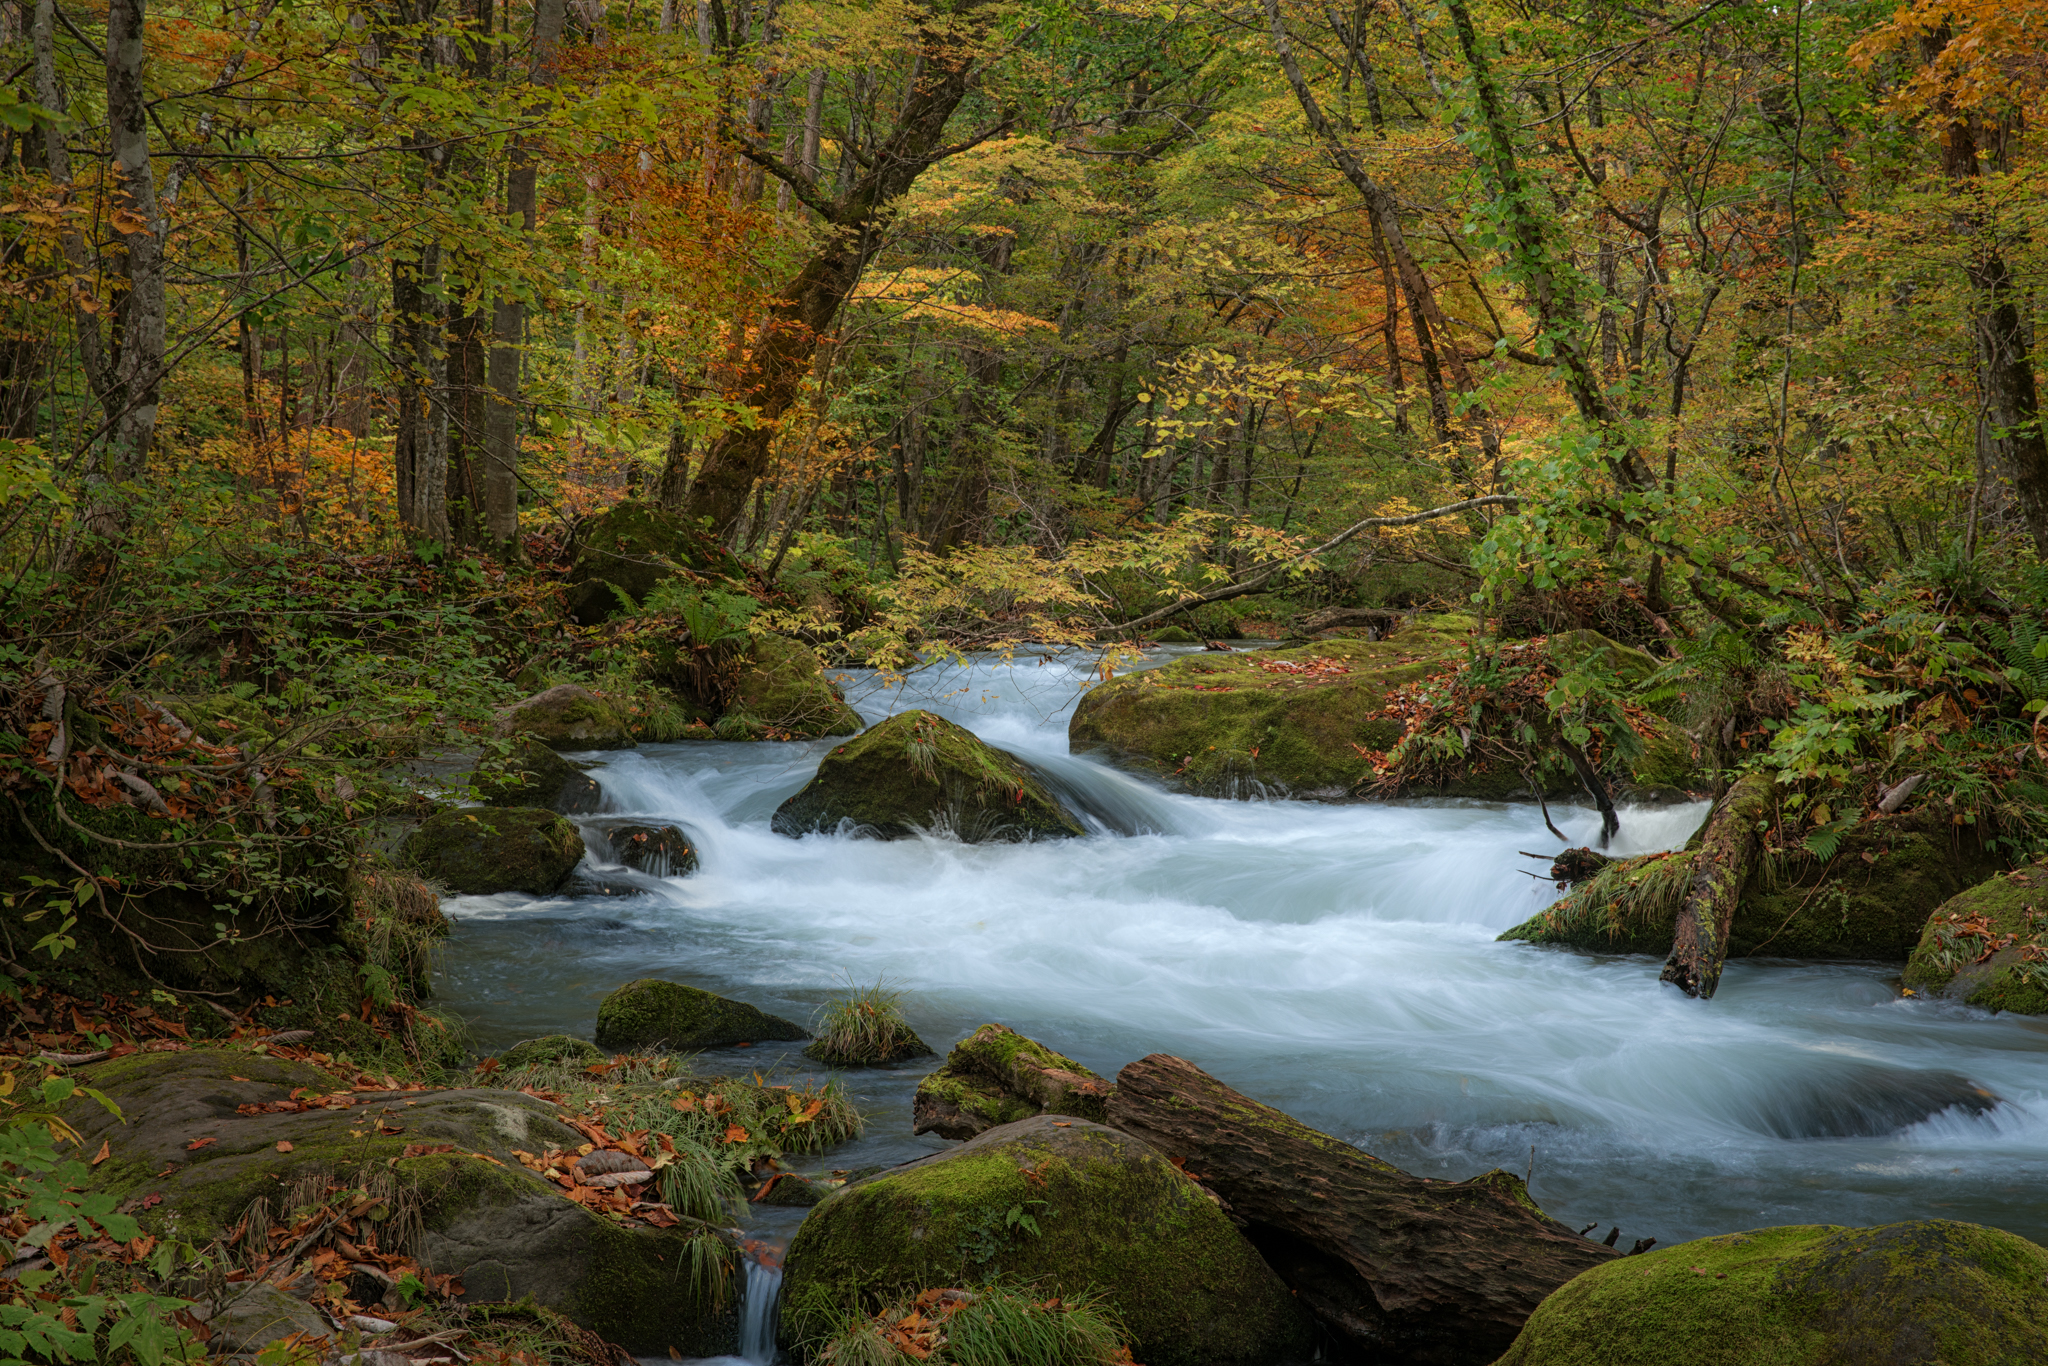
column 1622, row 405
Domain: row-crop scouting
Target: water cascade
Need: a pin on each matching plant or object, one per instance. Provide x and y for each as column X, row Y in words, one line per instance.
column 1336, row 961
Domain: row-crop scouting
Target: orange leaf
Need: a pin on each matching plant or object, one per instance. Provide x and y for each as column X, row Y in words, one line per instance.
column 284, row 1145
column 735, row 1134
column 106, row 1150
column 196, row 1144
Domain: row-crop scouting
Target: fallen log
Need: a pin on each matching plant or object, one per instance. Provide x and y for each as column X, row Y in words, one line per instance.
column 1727, row 853
column 1383, row 620
column 1402, row 1267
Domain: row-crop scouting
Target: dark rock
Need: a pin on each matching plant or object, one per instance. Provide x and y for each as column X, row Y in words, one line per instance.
column 535, row 775
column 568, row 716
column 651, row 1013
column 657, row 850
column 997, row 1076
column 484, row 850
column 918, row 772
column 1065, row 1205
column 788, row 1190
column 251, row 1315
column 550, row 1048
column 629, row 549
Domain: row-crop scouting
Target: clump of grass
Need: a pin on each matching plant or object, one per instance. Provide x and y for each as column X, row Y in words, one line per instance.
column 864, row 1028
column 996, row 1325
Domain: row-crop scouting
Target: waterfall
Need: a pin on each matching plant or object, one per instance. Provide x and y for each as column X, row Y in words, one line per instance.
column 760, row 1298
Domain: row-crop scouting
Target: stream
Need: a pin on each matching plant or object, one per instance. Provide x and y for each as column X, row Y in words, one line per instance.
column 1337, row 962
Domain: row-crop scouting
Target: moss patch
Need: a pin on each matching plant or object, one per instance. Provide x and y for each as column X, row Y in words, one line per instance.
column 782, row 688
column 1811, row 1295
column 631, row 547
column 1068, row 1206
column 651, row 1013
column 919, row 772
column 516, row 849
column 1989, row 945
column 568, row 717
column 534, row 775
column 550, row 1048
column 997, row 1076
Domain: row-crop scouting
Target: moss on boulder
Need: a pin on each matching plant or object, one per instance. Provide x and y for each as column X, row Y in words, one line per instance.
column 1869, row 901
column 1065, row 1205
column 782, row 692
column 479, row 851
column 550, row 1048
column 997, row 1076
column 534, row 775
column 1807, row 1295
column 629, row 548
column 1988, row 945
column 918, row 772
column 568, row 716
column 651, row 1013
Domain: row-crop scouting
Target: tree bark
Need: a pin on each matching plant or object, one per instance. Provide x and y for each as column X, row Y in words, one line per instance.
column 1727, row 854
column 1401, row 1267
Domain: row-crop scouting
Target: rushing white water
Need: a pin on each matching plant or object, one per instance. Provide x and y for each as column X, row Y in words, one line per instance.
column 1336, row 961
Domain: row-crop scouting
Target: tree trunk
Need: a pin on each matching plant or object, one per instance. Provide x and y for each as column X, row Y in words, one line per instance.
column 1728, row 852
column 1400, row 1267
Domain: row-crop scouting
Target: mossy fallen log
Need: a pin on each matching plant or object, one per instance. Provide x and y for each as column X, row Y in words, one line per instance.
column 1720, row 869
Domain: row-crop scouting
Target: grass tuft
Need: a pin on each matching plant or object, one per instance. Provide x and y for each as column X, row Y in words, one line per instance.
column 996, row 1325
column 864, row 1028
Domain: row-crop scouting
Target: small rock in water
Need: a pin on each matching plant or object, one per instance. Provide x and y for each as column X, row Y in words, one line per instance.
column 657, row 850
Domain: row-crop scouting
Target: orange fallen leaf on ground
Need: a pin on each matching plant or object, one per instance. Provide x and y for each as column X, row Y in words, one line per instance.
column 735, row 1134
column 196, row 1144
column 284, row 1145
column 106, row 1150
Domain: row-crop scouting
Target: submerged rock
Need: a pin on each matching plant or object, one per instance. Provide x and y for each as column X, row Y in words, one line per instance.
column 651, row 1013
column 1860, row 1100
column 657, row 850
column 550, row 1048
column 568, row 716
column 535, row 775
column 1065, row 1205
column 1989, row 945
column 997, row 1076
column 918, row 772
column 502, row 1229
column 486, row 850
column 1806, row 1295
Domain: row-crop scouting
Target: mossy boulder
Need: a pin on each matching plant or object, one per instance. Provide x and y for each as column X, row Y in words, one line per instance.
column 568, row 716
column 997, row 1076
column 1870, row 901
column 479, row 851
column 658, row 850
column 918, row 772
column 1989, row 945
column 651, row 1013
column 783, row 692
column 534, row 775
column 630, row 548
column 550, row 1048
column 1926, row 1291
column 189, row 1162
column 1065, row 1205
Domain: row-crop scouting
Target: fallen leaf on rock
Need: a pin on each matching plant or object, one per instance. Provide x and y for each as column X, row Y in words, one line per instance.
column 196, row 1144
column 106, row 1150
column 284, row 1145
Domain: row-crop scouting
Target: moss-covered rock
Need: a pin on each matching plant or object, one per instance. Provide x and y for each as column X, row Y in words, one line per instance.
column 534, row 775
column 783, row 692
column 651, row 1013
column 1066, row 1205
column 550, row 1048
column 658, row 850
column 568, row 716
column 1871, row 900
column 481, row 1216
column 1808, row 1295
column 484, row 850
column 630, row 548
column 1989, row 945
column 997, row 1076
column 918, row 772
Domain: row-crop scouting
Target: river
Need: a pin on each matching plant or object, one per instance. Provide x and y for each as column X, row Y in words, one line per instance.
column 1335, row 961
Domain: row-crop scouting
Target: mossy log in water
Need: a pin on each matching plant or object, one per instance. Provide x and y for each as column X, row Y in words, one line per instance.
column 918, row 772
column 997, row 1076
column 1930, row 1291
column 1721, row 867
column 1067, row 1206
column 1397, row 1266
column 651, row 1013
column 1989, row 945
column 495, row 849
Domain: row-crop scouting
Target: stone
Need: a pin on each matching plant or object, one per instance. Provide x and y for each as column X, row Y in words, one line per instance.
column 535, row 775
column 919, row 773
column 783, row 691
column 997, row 1076
column 567, row 716
column 651, row 1013
column 1988, row 945
column 254, row 1315
column 479, row 851
column 789, row 1190
column 1065, row 1205
column 657, row 850
column 480, row 1215
column 1929, row 1290
column 550, row 1048
column 627, row 550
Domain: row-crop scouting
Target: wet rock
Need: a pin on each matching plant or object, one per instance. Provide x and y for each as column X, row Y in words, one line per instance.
column 1806, row 1295
column 918, row 772
column 1988, row 945
column 550, row 1048
column 249, row 1317
column 1063, row 1204
column 617, row 557
column 567, row 716
column 657, row 850
column 486, row 850
column 585, row 883
column 651, row 1013
column 997, row 1076
column 535, row 775
column 1861, row 1101
column 789, row 1190
column 502, row 1229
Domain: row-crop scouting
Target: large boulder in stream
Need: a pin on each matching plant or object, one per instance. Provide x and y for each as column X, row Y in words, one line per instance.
column 1067, row 1206
column 482, row 850
column 917, row 773
column 209, row 1137
column 1869, row 901
column 568, row 716
column 651, row 1013
column 997, row 1076
column 534, row 775
column 1927, row 1291
column 782, row 692
column 1989, row 945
